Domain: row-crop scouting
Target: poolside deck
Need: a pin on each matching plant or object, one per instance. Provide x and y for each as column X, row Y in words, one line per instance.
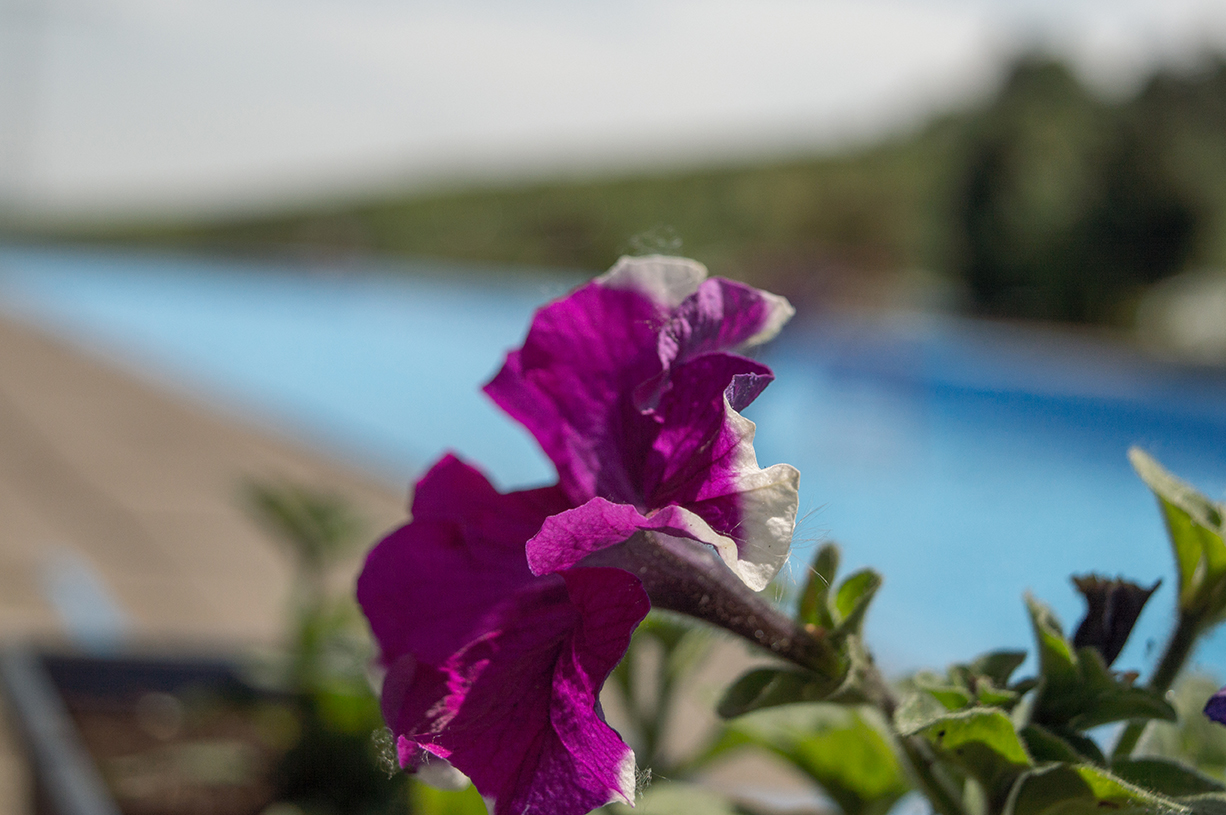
column 119, row 512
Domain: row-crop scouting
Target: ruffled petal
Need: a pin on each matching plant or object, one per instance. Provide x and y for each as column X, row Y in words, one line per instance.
column 597, row 364
column 493, row 672
column 516, row 710
column 570, row 386
column 764, row 501
column 567, row 538
column 665, row 280
column 705, row 461
column 428, row 585
column 721, row 315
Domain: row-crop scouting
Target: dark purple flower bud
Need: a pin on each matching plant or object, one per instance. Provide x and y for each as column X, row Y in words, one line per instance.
column 1113, row 609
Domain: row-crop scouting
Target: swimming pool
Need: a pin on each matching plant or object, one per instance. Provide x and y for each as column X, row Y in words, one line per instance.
column 968, row 462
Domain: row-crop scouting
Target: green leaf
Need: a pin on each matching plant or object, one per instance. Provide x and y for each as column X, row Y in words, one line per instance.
column 1083, row 744
column 916, row 711
column 1077, row 690
column 952, row 696
column 1057, row 661
column 814, row 601
column 1195, row 526
column 988, row 694
column 983, row 743
column 998, row 666
column 1193, row 739
column 1106, row 699
column 1173, row 778
column 1122, row 705
column 1044, row 745
column 1082, row 789
column 1207, row 804
column 851, row 602
column 430, row 801
column 768, row 687
column 845, row 750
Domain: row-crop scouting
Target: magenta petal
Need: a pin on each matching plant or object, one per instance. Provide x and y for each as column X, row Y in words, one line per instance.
column 426, row 587
column 489, row 667
column 596, row 364
column 567, row 538
column 569, row 385
column 722, row 315
column 518, row 711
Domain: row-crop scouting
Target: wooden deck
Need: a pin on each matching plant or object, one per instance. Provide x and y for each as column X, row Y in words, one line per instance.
column 119, row 512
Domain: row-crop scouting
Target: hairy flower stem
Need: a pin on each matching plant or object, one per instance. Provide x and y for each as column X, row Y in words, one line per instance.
column 1178, row 649
column 917, row 752
column 923, row 763
column 689, row 579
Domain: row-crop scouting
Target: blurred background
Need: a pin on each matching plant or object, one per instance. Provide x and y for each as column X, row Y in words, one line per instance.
column 290, row 240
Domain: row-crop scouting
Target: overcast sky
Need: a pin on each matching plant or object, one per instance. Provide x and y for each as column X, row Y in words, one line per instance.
column 170, row 105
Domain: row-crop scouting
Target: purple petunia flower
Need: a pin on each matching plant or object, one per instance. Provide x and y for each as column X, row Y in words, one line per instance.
column 498, row 616
column 490, row 668
column 631, row 388
column 1215, row 708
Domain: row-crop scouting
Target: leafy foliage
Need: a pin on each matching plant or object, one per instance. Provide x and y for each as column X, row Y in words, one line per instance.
column 837, row 617
column 1193, row 738
column 979, row 741
column 846, row 750
column 975, row 739
column 1076, row 690
column 1195, row 526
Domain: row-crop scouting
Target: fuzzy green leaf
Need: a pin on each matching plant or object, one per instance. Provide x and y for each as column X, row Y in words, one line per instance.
column 1057, row 660
column 851, row 602
column 1045, row 745
column 814, row 601
column 1212, row 803
column 983, row 743
column 768, row 687
column 1195, row 526
column 1077, row 690
column 1082, row 789
column 952, row 696
column 998, row 665
column 1165, row 776
column 845, row 750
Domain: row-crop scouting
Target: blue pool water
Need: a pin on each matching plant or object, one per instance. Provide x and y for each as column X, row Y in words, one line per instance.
column 967, row 462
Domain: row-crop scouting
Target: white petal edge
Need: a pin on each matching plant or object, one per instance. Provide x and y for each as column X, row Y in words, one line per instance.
column 779, row 311
column 627, row 780
column 665, row 279
column 769, row 501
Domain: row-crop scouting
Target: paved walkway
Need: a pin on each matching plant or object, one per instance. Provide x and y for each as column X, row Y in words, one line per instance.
column 119, row 512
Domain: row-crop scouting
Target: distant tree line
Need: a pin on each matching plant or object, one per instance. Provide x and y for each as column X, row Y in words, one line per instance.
column 1045, row 202
column 1067, row 206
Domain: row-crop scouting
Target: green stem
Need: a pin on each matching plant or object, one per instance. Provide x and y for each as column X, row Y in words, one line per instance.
column 1178, row 649
column 922, row 768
